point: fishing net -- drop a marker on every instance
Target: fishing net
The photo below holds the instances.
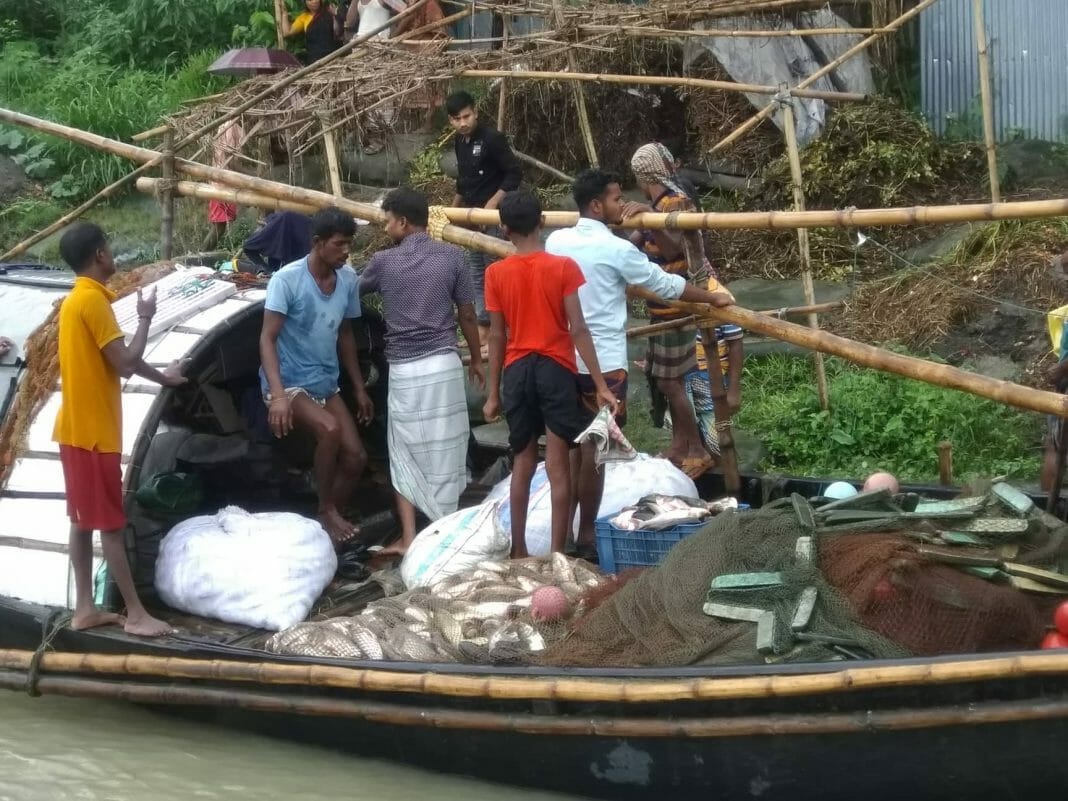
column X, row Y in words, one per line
column 926, row 607
column 658, row 618
column 482, row 616
column 42, row 367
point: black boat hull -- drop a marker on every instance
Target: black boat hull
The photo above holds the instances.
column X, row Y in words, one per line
column 961, row 740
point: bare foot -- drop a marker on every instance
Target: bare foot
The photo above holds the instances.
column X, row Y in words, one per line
column 96, row 617
column 339, row 529
column 147, row 626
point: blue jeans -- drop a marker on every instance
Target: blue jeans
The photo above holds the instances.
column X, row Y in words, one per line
column 478, row 261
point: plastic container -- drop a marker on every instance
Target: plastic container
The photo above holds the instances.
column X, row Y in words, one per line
column 618, row 548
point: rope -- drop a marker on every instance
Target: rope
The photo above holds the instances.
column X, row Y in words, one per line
column 56, row 621
column 437, row 221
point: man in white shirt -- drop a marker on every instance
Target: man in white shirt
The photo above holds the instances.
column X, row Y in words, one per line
column 609, row 264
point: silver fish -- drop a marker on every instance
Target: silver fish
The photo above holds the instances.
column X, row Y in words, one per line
column 449, row 627
column 366, row 642
column 416, row 614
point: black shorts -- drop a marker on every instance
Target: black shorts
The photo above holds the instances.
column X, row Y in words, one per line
column 539, row 393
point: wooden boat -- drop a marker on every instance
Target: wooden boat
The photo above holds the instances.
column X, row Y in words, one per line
column 972, row 727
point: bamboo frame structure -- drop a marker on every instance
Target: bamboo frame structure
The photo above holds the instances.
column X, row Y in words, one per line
column 859, row 353
column 797, row 181
column 117, row 185
column 380, row 679
column 658, row 80
column 713, row 221
column 574, row 726
column 860, row 47
column 986, row 96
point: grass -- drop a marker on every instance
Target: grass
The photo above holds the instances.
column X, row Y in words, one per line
column 880, row 421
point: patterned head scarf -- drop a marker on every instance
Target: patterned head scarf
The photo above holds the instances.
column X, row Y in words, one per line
column 654, row 164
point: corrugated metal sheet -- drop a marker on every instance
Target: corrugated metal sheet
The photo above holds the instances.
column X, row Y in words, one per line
column 42, row 576
column 1028, row 44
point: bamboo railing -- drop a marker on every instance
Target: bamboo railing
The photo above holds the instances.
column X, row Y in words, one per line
column 712, row 221
column 545, row 688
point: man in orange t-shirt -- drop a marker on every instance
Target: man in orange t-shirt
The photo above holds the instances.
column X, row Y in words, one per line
column 93, row 355
column 533, row 305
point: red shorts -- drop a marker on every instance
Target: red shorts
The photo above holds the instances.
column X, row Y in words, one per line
column 219, row 211
column 94, row 488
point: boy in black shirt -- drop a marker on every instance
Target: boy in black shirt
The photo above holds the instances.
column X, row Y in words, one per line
column 486, row 169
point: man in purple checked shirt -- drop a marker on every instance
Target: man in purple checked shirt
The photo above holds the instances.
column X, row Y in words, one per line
column 425, row 286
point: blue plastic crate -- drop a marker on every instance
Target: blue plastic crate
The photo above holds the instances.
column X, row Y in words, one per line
column 618, row 548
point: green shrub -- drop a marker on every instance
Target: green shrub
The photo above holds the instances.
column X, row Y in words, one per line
column 879, row 421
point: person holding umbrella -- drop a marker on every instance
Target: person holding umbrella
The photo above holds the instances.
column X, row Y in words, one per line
column 318, row 22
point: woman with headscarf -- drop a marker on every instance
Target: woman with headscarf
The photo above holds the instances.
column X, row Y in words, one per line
column 672, row 355
column 319, row 24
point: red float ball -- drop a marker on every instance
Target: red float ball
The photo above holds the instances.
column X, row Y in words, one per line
column 1060, row 618
column 1054, row 640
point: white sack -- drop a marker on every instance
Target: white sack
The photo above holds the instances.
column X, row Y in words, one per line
column 454, row 544
column 264, row 570
column 625, row 483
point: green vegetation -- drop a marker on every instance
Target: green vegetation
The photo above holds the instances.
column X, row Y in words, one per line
column 879, row 421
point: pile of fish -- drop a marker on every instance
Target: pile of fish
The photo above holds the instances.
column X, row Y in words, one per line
column 481, row 616
column 656, row 512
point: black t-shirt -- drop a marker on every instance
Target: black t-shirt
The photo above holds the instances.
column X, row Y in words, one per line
column 485, row 164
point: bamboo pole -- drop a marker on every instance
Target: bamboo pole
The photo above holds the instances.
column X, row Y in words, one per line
column 151, row 133
column 546, row 168
column 945, row 463
column 333, row 165
column 942, row 375
column 240, row 197
column 363, row 211
column 656, row 80
column 683, row 323
column 860, row 47
column 117, row 185
column 166, row 197
column 796, row 179
column 774, row 220
column 986, row 96
column 647, row 32
column 580, row 95
column 279, row 10
column 812, row 723
column 558, row 688
column 728, row 462
column 502, row 87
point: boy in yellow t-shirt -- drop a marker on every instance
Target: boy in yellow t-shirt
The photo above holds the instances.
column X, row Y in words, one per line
column 93, row 357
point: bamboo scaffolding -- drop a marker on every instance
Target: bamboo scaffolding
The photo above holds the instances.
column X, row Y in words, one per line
column 866, row 355
column 771, row 220
column 151, row 133
column 546, row 168
column 502, row 87
column 797, row 179
column 117, row 185
column 860, row 47
column 381, row 679
column 657, row 80
column 333, row 164
column 986, row 96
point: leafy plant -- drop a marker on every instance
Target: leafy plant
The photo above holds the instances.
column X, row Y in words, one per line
column 879, row 421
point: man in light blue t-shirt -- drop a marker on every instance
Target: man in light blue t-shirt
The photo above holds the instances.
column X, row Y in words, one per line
column 306, row 325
